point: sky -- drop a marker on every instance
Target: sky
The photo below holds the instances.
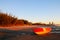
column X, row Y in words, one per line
column 44, row 11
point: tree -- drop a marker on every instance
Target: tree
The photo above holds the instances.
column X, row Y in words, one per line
column 6, row 19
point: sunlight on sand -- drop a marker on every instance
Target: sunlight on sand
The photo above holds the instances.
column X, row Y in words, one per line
column 18, row 27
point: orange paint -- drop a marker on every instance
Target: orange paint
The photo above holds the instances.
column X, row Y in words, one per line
column 42, row 30
column 38, row 30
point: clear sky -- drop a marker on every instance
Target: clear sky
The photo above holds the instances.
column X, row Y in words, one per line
column 33, row 10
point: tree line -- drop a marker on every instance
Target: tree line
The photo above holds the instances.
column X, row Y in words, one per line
column 6, row 19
